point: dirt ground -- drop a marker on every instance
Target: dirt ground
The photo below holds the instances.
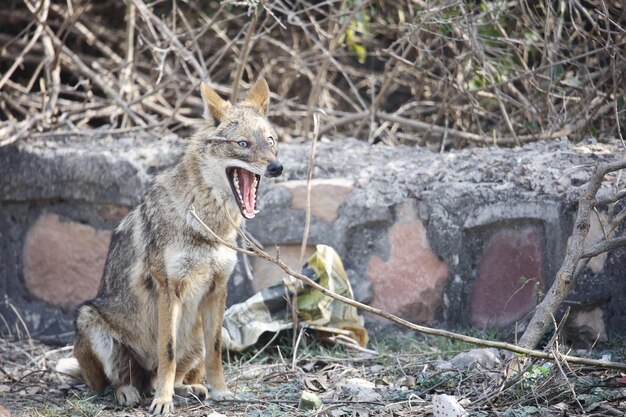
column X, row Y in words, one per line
column 399, row 380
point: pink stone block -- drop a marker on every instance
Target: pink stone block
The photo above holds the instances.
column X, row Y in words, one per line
column 411, row 281
column 113, row 212
column 64, row 260
column 510, row 273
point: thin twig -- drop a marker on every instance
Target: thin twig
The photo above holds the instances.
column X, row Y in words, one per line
column 42, row 15
column 294, row 356
column 243, row 59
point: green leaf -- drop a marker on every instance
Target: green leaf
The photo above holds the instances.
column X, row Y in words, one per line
column 572, row 81
column 354, row 46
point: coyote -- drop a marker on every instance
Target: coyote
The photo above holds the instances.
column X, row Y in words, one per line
column 156, row 321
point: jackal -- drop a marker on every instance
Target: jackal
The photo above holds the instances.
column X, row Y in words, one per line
column 156, row 321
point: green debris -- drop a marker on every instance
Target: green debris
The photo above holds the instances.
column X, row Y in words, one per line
column 309, row 401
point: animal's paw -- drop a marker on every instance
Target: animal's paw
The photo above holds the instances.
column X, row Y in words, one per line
column 222, row 394
column 161, row 406
column 127, row 396
column 196, row 390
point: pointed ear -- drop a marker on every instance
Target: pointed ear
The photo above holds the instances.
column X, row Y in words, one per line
column 214, row 105
column 259, row 96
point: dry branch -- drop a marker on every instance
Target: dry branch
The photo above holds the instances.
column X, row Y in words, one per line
column 491, row 74
column 575, row 258
column 243, row 59
column 40, row 15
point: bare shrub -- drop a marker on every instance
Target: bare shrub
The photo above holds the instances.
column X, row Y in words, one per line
column 444, row 73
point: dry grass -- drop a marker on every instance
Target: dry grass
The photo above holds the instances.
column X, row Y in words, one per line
column 442, row 73
column 406, row 374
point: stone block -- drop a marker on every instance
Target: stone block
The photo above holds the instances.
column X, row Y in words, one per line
column 364, row 201
column 266, row 274
column 595, row 234
column 64, row 260
column 326, row 195
column 113, row 212
column 586, row 327
column 509, row 274
column 410, row 282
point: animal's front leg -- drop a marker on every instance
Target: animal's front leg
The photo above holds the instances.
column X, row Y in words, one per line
column 168, row 318
column 212, row 317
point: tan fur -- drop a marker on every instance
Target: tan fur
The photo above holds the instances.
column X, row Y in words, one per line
column 259, row 96
column 216, row 106
column 157, row 318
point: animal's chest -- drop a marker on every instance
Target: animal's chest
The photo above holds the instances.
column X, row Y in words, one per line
column 196, row 267
column 222, row 260
column 195, row 272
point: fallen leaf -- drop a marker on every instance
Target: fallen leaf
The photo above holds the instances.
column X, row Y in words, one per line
column 315, row 384
column 406, row 382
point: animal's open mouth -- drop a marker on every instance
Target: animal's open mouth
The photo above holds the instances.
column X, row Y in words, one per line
column 245, row 185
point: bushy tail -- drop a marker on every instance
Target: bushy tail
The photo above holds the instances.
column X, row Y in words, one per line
column 70, row 367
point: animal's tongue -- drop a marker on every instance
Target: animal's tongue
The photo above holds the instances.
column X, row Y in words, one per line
column 248, row 191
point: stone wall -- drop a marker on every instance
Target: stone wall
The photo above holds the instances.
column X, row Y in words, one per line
column 459, row 239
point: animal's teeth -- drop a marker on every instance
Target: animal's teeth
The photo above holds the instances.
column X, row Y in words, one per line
column 236, row 183
column 255, row 211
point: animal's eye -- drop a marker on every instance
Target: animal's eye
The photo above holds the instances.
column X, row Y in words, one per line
column 244, row 143
column 271, row 141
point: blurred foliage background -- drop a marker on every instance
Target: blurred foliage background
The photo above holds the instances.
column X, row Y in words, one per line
column 442, row 73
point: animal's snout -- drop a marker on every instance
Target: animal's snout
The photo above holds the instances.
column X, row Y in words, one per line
column 274, row 169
